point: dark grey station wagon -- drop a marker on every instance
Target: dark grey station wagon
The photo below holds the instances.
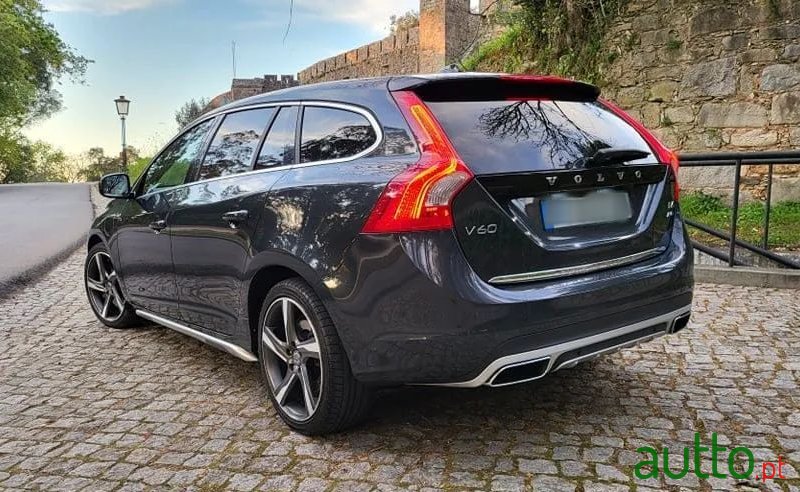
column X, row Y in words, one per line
column 453, row 229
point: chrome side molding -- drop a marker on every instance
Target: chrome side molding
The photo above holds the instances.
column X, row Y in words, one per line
column 575, row 270
column 232, row 349
column 552, row 353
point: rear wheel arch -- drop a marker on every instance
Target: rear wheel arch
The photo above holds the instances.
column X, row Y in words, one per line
column 264, row 279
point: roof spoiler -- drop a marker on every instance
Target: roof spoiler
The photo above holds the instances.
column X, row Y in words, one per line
column 482, row 87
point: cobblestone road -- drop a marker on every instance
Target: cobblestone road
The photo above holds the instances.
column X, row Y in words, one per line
column 82, row 406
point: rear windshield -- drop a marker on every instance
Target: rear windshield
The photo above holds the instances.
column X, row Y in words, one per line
column 523, row 136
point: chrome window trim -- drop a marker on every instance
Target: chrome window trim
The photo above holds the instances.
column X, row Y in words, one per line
column 379, row 136
column 554, row 351
column 575, row 270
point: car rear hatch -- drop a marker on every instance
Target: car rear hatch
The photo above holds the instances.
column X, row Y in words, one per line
column 564, row 184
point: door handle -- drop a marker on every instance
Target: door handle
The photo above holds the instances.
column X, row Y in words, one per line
column 234, row 218
column 158, row 225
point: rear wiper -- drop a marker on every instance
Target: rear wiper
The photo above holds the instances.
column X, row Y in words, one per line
column 609, row 157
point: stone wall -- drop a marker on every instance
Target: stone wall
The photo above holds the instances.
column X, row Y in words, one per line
column 447, row 29
column 241, row 88
column 712, row 75
column 398, row 53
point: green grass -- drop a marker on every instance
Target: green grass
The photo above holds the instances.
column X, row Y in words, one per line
column 500, row 50
column 784, row 223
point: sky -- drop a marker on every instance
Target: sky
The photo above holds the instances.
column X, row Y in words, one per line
column 161, row 53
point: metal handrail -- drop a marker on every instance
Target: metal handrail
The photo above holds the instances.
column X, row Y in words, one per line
column 739, row 159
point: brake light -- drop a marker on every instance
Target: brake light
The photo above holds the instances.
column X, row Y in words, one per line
column 418, row 199
column 662, row 153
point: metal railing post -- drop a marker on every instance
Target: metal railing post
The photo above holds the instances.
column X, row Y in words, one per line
column 765, row 239
column 735, row 213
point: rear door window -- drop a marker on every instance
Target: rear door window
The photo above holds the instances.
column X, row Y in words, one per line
column 529, row 135
column 331, row 133
column 231, row 151
column 278, row 148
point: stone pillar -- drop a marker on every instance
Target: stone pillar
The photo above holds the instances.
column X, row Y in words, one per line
column 446, row 29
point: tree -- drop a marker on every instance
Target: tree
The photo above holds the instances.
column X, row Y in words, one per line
column 190, row 111
column 24, row 161
column 96, row 163
column 403, row 22
column 33, row 58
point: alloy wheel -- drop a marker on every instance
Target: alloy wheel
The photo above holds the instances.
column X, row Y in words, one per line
column 292, row 358
column 103, row 287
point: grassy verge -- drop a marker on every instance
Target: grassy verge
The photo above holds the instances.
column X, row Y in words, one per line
column 784, row 223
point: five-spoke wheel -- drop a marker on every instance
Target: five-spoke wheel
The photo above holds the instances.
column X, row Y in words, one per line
column 103, row 287
column 292, row 358
column 105, row 292
column 304, row 364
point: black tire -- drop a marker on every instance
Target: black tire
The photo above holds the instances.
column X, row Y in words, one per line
column 341, row 401
column 118, row 318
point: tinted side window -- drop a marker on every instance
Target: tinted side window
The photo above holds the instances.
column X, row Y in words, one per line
column 233, row 146
column 278, row 148
column 171, row 166
column 330, row 133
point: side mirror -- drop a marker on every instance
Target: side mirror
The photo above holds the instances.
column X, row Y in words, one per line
column 116, row 185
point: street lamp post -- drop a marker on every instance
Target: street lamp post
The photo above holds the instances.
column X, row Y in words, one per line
column 122, row 110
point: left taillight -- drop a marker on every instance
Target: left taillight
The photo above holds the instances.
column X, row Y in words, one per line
column 661, row 151
column 419, row 198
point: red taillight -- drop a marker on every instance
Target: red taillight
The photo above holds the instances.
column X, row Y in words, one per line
column 418, row 199
column 662, row 153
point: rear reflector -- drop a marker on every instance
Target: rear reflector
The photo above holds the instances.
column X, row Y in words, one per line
column 662, row 153
column 418, row 199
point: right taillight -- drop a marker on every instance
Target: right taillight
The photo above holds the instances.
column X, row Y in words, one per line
column 418, row 199
column 662, row 153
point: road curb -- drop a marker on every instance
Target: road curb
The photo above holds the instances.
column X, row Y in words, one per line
column 748, row 277
column 18, row 282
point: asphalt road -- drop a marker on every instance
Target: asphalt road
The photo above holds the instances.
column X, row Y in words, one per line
column 39, row 224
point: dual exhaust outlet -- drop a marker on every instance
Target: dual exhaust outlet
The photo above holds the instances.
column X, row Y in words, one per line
column 522, row 372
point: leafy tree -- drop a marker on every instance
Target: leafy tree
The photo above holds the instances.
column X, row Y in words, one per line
column 190, row 111
column 24, row 161
column 403, row 22
column 96, row 163
column 33, row 58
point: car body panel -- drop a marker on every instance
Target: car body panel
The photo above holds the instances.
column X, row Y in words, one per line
column 144, row 256
column 409, row 308
column 209, row 255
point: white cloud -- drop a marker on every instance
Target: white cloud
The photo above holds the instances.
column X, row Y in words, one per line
column 371, row 14
column 107, row 7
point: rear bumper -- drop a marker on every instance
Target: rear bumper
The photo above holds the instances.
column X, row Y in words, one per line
column 535, row 364
column 410, row 310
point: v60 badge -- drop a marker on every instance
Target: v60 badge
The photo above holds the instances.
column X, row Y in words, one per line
column 481, row 230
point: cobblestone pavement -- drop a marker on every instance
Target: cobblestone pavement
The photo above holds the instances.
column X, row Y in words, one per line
column 83, row 406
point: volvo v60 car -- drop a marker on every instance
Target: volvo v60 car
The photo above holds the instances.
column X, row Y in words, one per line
column 452, row 229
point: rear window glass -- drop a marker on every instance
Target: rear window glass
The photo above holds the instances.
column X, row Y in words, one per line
column 519, row 136
column 330, row 133
column 278, row 148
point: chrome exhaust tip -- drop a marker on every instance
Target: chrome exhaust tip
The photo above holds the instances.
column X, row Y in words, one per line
column 521, row 372
column 679, row 323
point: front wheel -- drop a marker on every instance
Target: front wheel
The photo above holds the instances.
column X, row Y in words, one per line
column 306, row 370
column 105, row 292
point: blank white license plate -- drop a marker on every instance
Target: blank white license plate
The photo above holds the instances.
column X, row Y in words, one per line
column 561, row 210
